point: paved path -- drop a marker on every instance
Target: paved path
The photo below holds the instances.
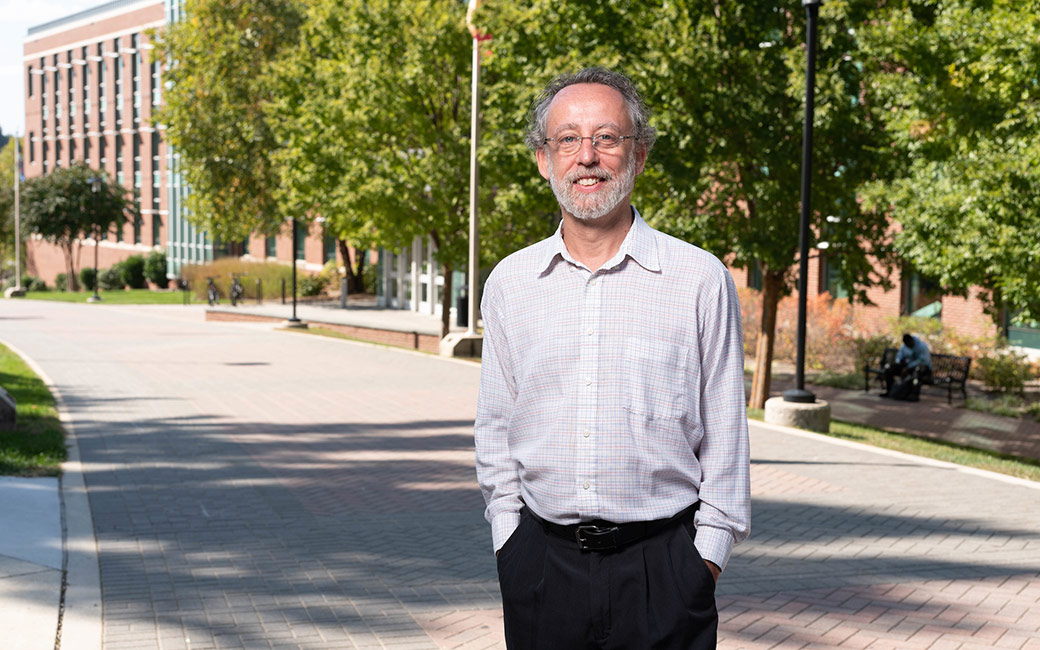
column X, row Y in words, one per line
column 252, row 488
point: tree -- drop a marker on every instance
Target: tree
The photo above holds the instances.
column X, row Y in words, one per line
column 375, row 113
column 60, row 207
column 216, row 110
column 726, row 82
column 959, row 81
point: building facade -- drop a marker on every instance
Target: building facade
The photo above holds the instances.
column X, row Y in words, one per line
column 92, row 89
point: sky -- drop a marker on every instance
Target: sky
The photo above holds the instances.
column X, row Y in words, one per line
column 16, row 17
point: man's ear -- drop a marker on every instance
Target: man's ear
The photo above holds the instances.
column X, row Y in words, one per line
column 640, row 159
column 543, row 162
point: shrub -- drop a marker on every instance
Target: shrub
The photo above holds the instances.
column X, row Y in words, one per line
column 155, row 269
column 132, row 269
column 86, row 278
column 868, row 349
column 1005, row 371
column 61, row 282
column 32, row 283
column 111, row 278
column 313, row 285
column 269, row 273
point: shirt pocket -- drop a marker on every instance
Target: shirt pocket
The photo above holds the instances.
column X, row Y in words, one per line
column 654, row 379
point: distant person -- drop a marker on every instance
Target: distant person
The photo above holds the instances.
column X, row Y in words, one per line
column 913, row 362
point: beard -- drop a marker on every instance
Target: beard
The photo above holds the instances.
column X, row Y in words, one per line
column 587, row 207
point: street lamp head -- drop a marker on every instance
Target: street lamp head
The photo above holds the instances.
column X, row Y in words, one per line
column 95, row 183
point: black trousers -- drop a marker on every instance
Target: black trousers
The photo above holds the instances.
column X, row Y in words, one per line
column 656, row 593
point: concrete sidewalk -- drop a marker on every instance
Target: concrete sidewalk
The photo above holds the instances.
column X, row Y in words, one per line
column 255, row 489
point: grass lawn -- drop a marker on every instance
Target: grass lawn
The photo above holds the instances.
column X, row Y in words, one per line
column 939, row 450
column 128, row 297
column 36, row 447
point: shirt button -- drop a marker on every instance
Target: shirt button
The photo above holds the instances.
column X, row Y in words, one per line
column 592, row 281
column 586, row 433
column 588, row 381
column 590, row 331
column 585, row 485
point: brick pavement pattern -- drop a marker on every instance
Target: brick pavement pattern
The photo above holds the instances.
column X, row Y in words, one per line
column 262, row 489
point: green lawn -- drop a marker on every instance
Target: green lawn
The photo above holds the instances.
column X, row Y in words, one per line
column 36, row 447
column 939, row 450
column 129, row 297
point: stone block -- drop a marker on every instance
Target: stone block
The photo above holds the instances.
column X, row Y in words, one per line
column 812, row 417
column 8, row 414
column 461, row 344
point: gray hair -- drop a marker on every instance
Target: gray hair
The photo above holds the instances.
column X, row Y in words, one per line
column 637, row 109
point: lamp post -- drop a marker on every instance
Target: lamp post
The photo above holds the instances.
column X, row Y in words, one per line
column 812, row 12
column 294, row 321
column 95, row 188
column 474, row 175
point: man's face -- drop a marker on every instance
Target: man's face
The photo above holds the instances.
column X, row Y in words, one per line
column 590, row 183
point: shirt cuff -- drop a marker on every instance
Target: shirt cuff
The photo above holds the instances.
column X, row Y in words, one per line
column 714, row 545
column 502, row 526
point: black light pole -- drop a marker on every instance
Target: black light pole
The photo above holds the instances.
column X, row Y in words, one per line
column 95, row 188
column 812, row 12
column 294, row 319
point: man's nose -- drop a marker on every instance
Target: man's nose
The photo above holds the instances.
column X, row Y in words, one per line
column 588, row 154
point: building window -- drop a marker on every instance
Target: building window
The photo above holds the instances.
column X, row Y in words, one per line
column 102, row 71
column 1023, row 332
column 32, row 148
column 102, row 151
column 832, row 281
column 57, row 153
column 44, row 156
column 72, row 151
column 29, row 80
column 328, row 248
column 271, row 246
column 86, row 150
column 156, row 92
column 118, row 71
column 922, row 297
column 135, row 76
column 754, row 276
column 119, row 159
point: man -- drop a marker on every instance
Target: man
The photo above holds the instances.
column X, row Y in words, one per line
column 611, row 431
column 913, row 361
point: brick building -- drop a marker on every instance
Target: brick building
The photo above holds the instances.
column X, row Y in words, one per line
column 91, row 88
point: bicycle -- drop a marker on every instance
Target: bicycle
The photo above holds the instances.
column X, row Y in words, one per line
column 211, row 292
column 236, row 290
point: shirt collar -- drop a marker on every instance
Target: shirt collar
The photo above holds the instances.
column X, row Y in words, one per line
column 639, row 244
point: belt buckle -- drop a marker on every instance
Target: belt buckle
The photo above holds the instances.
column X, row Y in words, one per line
column 596, row 538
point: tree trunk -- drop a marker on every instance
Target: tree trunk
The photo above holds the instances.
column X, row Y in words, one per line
column 446, row 300
column 70, row 269
column 348, row 268
column 359, row 277
column 772, row 283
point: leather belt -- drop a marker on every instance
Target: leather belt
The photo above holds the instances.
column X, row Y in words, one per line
column 600, row 535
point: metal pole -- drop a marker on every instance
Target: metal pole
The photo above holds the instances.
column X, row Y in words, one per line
column 17, row 223
column 95, row 184
column 474, row 178
column 294, row 319
column 812, row 10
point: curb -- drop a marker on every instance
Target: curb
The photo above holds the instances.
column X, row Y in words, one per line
column 80, row 611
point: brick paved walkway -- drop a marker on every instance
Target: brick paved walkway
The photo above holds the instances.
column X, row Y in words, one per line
column 257, row 489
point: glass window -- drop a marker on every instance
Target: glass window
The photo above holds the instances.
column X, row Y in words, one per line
column 923, row 297
column 32, row 148
column 29, row 80
column 328, row 248
column 832, row 281
column 271, row 246
column 1023, row 332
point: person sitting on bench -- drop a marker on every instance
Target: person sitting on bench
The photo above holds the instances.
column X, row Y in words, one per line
column 913, row 361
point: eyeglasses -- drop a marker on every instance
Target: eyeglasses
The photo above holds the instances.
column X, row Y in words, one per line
column 569, row 144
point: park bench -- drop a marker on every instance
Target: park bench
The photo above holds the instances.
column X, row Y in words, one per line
column 948, row 370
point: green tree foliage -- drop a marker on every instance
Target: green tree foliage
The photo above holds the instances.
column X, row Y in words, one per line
column 375, row 113
column 61, row 208
column 958, row 80
column 220, row 85
column 726, row 81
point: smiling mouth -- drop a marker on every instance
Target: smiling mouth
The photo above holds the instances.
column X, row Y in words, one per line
column 589, row 181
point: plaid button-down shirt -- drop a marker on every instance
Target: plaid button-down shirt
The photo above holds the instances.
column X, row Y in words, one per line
column 615, row 395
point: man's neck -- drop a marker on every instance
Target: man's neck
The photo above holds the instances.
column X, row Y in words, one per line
column 594, row 241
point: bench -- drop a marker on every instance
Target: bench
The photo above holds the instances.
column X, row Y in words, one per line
column 947, row 370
